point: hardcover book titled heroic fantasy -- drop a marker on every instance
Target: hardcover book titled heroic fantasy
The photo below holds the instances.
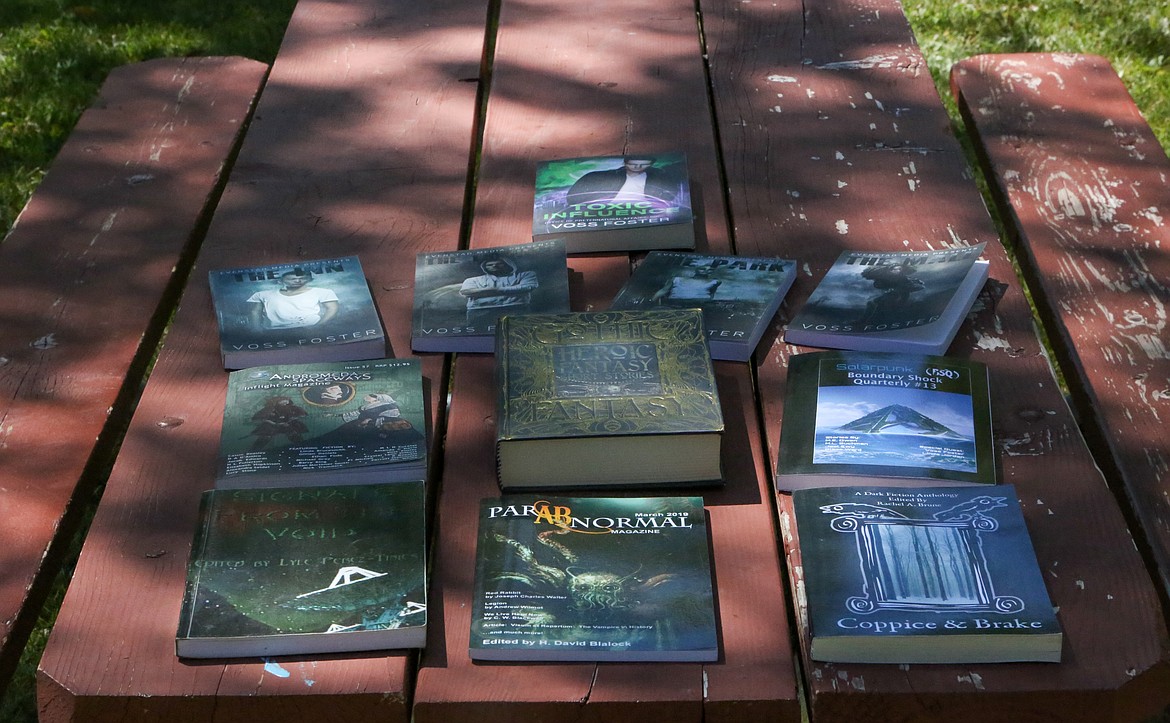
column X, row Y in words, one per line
column 909, row 419
column 908, row 301
column 317, row 424
column 738, row 294
column 459, row 295
column 931, row 575
column 614, row 203
column 593, row 579
column 295, row 313
column 305, row 570
column 606, row 398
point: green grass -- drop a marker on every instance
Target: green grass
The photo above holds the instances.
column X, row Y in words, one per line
column 54, row 55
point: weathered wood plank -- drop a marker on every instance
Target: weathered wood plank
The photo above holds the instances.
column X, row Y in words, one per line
column 88, row 266
column 360, row 145
column 1083, row 182
column 834, row 138
column 603, row 78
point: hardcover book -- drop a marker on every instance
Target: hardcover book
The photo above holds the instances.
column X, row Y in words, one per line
column 306, row 570
column 932, row 575
column 459, row 295
column 321, row 424
column 593, row 579
column 295, row 313
column 910, row 420
column 907, row 301
column 739, row 295
column 606, row 398
column 614, row 203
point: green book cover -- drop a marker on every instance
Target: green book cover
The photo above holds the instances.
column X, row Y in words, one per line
column 296, row 312
column 621, row 397
column 329, row 423
column 288, row 571
column 908, row 419
column 931, row 575
column 603, row 579
column 607, row 203
column 739, row 295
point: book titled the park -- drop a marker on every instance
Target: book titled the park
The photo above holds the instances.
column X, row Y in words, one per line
column 597, row 399
column 306, row 570
column 459, row 295
column 739, row 295
column 593, row 579
column 614, row 203
column 931, row 575
column 319, row 424
column 912, row 420
column 296, row 313
column 908, row 301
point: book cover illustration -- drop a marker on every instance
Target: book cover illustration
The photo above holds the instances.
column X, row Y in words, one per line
column 306, row 310
column 897, row 415
column 738, row 294
column 576, row 196
column 593, row 579
column 459, row 295
column 306, row 569
column 898, row 575
column 289, row 421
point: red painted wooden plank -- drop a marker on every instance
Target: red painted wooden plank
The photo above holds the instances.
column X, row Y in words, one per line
column 87, row 267
column 1083, row 181
column 834, row 138
column 571, row 79
column 360, row 145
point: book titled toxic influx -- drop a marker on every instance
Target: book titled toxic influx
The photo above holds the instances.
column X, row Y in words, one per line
column 306, row 570
column 931, row 575
column 908, row 301
column 908, row 419
column 598, row 399
column 460, row 295
column 297, row 312
column 739, row 295
column 317, row 424
column 593, row 579
column 614, row 203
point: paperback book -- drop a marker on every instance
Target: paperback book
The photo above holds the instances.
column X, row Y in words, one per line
column 599, row 399
column 321, row 424
column 593, row 579
column 739, row 295
column 931, row 575
column 296, row 313
column 905, row 419
column 904, row 301
column 306, row 570
column 614, row 203
column 460, row 295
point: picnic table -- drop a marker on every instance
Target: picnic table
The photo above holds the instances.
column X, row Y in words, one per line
column 387, row 128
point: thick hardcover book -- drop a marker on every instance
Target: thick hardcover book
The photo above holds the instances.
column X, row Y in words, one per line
column 459, row 295
column 931, row 575
column 306, row 570
column 296, row 313
column 600, row 399
column 908, row 301
column 739, row 295
column 320, row 424
column 911, row 420
column 614, row 203
column 593, row 579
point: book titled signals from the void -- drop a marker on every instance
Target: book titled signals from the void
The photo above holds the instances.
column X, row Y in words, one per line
column 908, row 419
column 931, row 575
column 603, row 579
column 288, row 571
